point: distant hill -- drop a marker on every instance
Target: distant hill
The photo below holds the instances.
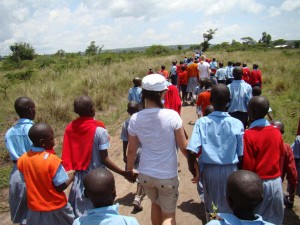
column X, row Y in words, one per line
column 142, row 49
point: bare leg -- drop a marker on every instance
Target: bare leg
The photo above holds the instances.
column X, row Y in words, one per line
column 156, row 214
column 168, row 218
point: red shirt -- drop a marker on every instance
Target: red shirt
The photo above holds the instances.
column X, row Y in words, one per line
column 203, row 100
column 182, row 78
column 255, row 78
column 246, row 74
column 263, row 149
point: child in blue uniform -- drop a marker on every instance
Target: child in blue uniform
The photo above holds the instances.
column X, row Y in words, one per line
column 244, row 193
column 100, row 188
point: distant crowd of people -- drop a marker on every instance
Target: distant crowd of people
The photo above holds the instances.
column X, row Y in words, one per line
column 236, row 153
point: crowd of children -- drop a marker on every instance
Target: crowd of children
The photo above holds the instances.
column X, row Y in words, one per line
column 237, row 157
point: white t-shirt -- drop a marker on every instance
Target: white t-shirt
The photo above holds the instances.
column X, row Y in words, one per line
column 203, row 68
column 155, row 129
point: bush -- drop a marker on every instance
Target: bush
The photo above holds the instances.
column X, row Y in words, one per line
column 22, row 75
column 157, row 50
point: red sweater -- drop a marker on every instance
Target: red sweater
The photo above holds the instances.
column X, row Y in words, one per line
column 263, row 149
column 255, row 78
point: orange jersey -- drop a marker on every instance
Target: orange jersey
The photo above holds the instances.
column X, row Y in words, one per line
column 39, row 169
column 203, row 100
column 165, row 73
column 192, row 70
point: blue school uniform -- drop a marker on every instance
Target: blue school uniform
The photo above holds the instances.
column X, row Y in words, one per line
column 230, row 219
column 17, row 143
column 105, row 216
column 221, row 139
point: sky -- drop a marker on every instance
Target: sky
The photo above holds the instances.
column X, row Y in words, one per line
column 71, row 25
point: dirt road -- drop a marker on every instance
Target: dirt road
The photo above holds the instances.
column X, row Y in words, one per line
column 189, row 209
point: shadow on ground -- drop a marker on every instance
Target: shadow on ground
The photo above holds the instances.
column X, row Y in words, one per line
column 194, row 208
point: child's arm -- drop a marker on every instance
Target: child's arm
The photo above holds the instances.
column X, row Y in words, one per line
column 112, row 166
column 125, row 144
column 60, row 175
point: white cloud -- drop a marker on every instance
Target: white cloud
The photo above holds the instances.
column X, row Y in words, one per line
column 72, row 25
column 290, row 5
column 273, row 11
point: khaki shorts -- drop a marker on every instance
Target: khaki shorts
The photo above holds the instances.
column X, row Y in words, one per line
column 163, row 192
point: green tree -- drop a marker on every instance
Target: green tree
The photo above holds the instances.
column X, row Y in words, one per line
column 179, row 47
column 248, row 41
column 297, row 44
column 266, row 38
column 209, row 35
column 22, row 51
column 279, row 42
column 92, row 49
column 60, row 53
column 157, row 50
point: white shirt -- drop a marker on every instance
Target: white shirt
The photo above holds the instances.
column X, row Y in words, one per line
column 203, row 68
column 155, row 129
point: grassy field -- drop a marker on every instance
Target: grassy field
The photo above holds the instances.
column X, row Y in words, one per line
column 53, row 83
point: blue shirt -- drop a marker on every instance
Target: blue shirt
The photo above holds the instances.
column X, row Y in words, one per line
column 17, row 141
column 229, row 70
column 240, row 95
column 259, row 123
column 230, row 219
column 221, row 138
column 221, row 74
column 173, row 70
column 105, row 216
column 213, row 65
column 61, row 175
column 296, row 147
column 135, row 94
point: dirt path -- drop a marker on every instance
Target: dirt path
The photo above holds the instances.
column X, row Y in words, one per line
column 189, row 209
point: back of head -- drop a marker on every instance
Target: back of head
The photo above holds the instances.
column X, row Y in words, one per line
column 244, row 190
column 25, row 108
column 208, row 84
column 137, row 81
column 133, row 107
column 208, row 110
column 99, row 187
column 220, row 96
column 255, row 66
column 237, row 73
column 256, row 91
column 84, row 106
column 41, row 135
column 237, row 64
column 221, row 64
column 163, row 67
column 244, row 65
column 258, row 107
column 278, row 124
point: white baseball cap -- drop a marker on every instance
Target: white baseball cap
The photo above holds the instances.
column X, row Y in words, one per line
column 154, row 82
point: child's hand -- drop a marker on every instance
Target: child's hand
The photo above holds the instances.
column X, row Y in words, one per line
column 131, row 175
column 71, row 174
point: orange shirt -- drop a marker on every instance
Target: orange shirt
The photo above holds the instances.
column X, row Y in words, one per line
column 38, row 169
column 192, row 70
column 165, row 73
column 203, row 100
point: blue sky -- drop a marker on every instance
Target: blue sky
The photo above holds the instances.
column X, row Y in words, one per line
column 50, row 25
